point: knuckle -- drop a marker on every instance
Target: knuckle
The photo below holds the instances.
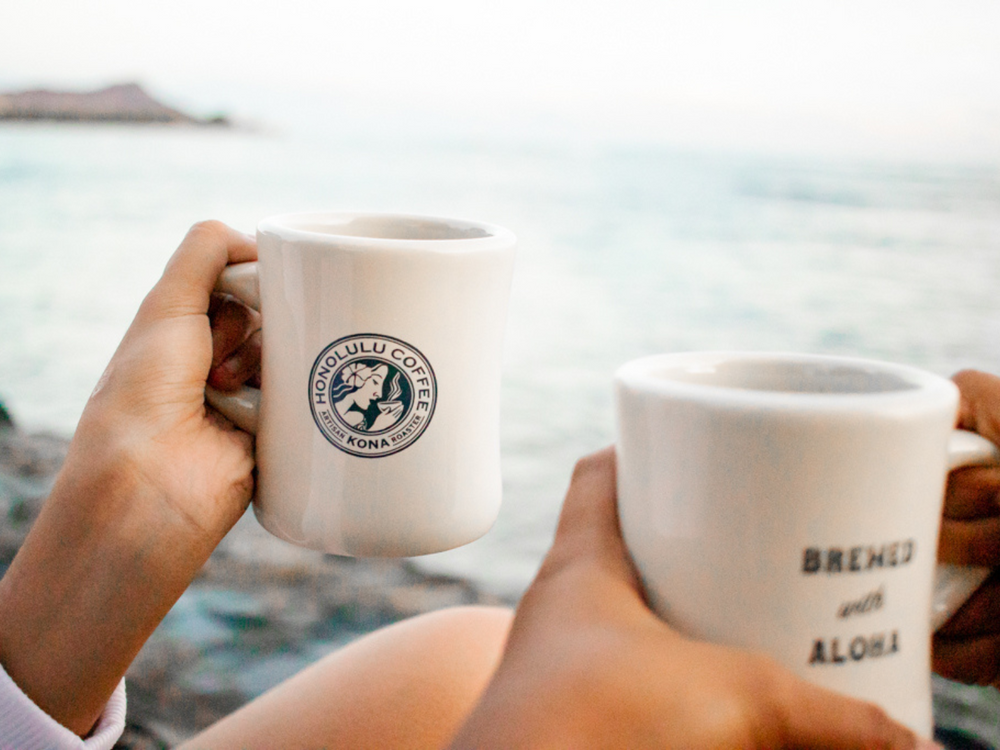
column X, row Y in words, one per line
column 208, row 229
column 974, row 381
column 964, row 375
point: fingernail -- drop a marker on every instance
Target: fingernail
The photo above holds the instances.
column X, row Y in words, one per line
column 925, row 744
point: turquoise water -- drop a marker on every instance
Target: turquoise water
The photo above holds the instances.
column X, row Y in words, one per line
column 624, row 251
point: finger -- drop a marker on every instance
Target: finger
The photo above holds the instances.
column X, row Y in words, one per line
column 814, row 717
column 975, row 542
column 973, row 492
column 980, row 615
column 970, row 660
column 232, row 322
column 979, row 408
column 192, row 271
column 587, row 575
column 241, row 366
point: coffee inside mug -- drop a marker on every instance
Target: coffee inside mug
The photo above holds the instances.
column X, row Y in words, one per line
column 769, row 375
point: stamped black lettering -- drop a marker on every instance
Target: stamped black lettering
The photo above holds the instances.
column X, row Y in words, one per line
column 858, row 648
column 858, row 558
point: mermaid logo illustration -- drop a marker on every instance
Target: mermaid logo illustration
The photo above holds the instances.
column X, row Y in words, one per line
column 372, row 395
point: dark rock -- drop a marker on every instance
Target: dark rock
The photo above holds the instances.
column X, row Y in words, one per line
column 137, row 736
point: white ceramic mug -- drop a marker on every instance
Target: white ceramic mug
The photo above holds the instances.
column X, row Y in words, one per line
column 378, row 425
column 791, row 504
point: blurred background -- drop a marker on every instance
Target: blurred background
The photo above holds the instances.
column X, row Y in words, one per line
column 681, row 175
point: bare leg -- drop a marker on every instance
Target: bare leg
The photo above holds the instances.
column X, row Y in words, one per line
column 409, row 685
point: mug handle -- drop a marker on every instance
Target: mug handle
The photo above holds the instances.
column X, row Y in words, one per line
column 954, row 584
column 241, row 407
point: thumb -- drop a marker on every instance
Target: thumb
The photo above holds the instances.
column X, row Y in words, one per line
column 588, row 530
column 187, row 282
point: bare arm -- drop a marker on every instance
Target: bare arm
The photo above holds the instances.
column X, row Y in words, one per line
column 151, row 483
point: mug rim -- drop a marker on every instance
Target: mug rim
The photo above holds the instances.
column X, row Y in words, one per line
column 922, row 388
column 284, row 227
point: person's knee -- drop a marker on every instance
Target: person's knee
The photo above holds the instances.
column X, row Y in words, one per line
column 479, row 629
column 459, row 645
column 474, row 617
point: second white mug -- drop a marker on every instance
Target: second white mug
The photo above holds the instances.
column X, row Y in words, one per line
column 790, row 504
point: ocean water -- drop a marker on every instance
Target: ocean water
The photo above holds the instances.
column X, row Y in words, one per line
column 624, row 250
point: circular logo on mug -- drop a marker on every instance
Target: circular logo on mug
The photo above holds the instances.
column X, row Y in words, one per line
column 372, row 395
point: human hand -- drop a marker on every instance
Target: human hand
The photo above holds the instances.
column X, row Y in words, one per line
column 150, row 485
column 149, row 403
column 588, row 664
column 967, row 648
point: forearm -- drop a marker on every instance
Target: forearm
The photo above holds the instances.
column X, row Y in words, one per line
column 151, row 484
column 95, row 576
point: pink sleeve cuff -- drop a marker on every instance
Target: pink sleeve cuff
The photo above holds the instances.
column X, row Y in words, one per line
column 24, row 726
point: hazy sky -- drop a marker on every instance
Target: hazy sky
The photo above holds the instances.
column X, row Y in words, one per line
column 901, row 75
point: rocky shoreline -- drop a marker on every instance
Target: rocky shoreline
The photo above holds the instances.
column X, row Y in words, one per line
column 259, row 611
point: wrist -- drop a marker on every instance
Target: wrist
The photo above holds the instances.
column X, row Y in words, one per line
column 104, row 562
